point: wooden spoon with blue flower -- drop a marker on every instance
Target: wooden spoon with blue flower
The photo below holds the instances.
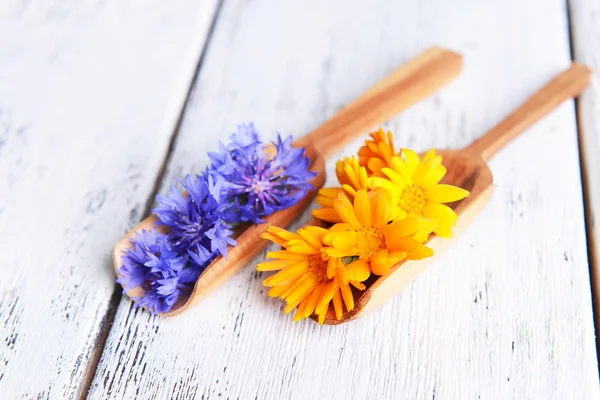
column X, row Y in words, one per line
column 186, row 248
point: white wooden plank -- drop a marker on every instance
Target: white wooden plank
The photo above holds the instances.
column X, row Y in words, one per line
column 586, row 49
column 506, row 313
column 90, row 93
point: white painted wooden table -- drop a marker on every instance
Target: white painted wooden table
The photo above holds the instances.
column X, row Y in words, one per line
column 93, row 108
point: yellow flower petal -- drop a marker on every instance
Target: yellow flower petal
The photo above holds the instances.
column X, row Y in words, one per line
column 424, row 169
column 430, row 154
column 341, row 227
column 444, row 215
column 399, row 166
column 399, row 214
column 329, row 192
column 376, row 164
column 326, row 196
column 390, row 139
column 277, row 291
column 408, row 227
column 316, row 231
column 346, row 211
column 445, row 193
column 275, row 265
column 341, row 240
column 422, row 236
column 433, row 177
column 347, row 297
column 302, row 291
column 352, row 176
column 322, row 317
column 333, row 252
column 273, row 238
column 378, row 182
column 412, row 160
column 349, row 190
column 358, row 271
column 300, row 246
column 362, row 208
column 306, row 275
column 312, row 238
column 342, row 272
column 325, row 201
column 325, row 214
column 312, row 301
column 395, row 178
column 340, row 173
column 441, row 213
column 378, row 263
column 399, row 244
column 419, row 252
column 278, row 235
column 382, row 207
column 285, row 275
column 337, row 305
column 300, row 310
column 363, row 177
column 285, row 255
column 332, row 265
column 443, row 231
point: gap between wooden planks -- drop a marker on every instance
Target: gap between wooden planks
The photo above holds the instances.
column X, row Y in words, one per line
column 585, row 43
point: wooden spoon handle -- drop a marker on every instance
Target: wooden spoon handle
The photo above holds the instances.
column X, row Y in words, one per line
column 567, row 84
column 407, row 85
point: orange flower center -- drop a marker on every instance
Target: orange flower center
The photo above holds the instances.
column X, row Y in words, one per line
column 370, row 240
column 318, row 265
column 412, row 200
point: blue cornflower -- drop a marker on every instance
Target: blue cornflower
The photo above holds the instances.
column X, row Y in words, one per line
column 163, row 274
column 195, row 221
column 258, row 179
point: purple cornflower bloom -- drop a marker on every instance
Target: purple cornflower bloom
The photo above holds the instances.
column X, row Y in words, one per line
column 258, row 179
column 195, row 221
column 159, row 271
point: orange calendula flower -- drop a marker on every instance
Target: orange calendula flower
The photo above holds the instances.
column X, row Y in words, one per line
column 366, row 232
column 307, row 278
column 352, row 177
column 414, row 186
column 377, row 153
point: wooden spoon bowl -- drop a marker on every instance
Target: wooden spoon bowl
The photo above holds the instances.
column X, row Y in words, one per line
column 468, row 169
column 410, row 83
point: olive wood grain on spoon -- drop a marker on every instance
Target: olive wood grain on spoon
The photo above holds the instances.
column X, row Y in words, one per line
column 407, row 85
column 468, row 169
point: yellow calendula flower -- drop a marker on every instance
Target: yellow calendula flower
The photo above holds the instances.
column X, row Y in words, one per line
column 377, row 153
column 352, row 177
column 415, row 188
column 367, row 234
column 308, row 279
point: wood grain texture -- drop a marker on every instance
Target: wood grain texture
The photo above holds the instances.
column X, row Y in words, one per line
column 505, row 313
column 90, row 93
column 585, row 32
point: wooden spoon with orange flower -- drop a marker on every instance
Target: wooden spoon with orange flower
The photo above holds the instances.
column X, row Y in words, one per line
column 466, row 168
column 407, row 85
